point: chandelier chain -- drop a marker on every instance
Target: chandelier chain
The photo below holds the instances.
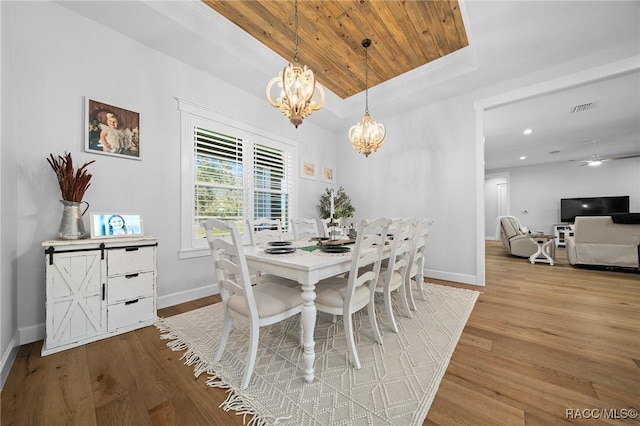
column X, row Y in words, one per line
column 295, row 32
column 366, row 81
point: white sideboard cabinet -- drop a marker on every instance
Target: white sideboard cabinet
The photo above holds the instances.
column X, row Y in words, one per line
column 97, row 288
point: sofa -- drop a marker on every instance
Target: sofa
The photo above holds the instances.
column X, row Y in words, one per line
column 599, row 241
column 517, row 239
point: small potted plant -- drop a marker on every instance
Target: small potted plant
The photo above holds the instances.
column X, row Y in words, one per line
column 73, row 184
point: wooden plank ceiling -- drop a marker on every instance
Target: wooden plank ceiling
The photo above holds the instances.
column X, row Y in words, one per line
column 405, row 35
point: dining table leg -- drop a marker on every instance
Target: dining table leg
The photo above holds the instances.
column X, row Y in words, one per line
column 309, row 325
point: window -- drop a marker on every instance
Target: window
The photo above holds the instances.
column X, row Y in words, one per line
column 231, row 173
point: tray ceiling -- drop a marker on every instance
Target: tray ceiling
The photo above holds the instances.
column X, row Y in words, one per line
column 405, row 35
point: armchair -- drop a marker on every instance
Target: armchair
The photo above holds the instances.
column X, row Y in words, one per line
column 515, row 238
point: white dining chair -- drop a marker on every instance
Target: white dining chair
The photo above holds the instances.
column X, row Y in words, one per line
column 415, row 274
column 304, row 228
column 392, row 275
column 259, row 306
column 263, row 230
column 347, row 295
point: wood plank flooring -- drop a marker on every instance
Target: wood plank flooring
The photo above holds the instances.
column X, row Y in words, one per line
column 540, row 340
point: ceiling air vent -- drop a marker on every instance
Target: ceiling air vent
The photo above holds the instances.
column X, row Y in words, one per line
column 583, row 107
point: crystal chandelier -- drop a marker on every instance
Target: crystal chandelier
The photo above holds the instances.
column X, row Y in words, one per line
column 297, row 87
column 368, row 135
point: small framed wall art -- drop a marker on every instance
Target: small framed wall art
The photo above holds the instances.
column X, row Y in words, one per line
column 328, row 173
column 111, row 130
column 107, row 225
column 308, row 169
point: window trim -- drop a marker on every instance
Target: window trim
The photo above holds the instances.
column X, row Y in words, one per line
column 191, row 112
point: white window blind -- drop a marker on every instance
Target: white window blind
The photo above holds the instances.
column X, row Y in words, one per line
column 272, row 183
column 231, row 171
column 218, row 180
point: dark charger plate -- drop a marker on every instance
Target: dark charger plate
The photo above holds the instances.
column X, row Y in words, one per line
column 279, row 243
column 280, row 250
column 335, row 249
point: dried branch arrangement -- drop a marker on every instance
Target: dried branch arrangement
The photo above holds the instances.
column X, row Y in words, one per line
column 73, row 183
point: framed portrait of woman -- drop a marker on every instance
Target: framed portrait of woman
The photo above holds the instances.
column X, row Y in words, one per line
column 111, row 130
column 108, row 225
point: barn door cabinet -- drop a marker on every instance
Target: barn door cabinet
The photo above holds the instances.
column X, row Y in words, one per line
column 97, row 288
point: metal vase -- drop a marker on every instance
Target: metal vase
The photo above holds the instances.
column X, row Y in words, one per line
column 72, row 225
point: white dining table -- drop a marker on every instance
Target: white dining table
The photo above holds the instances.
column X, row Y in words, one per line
column 307, row 268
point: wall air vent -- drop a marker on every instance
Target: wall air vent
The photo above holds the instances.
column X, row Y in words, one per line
column 583, row 107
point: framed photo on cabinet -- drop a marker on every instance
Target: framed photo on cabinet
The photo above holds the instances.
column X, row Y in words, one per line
column 108, row 225
column 111, row 130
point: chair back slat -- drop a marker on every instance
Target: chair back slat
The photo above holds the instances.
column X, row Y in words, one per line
column 421, row 232
column 367, row 251
column 229, row 261
column 304, row 228
column 263, row 230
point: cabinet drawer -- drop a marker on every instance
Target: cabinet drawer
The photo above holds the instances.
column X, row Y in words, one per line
column 129, row 287
column 130, row 313
column 130, row 260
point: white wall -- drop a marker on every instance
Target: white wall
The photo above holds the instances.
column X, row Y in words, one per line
column 56, row 58
column 7, row 239
column 426, row 168
column 538, row 189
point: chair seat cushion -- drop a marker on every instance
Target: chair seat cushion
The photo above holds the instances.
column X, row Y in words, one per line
column 271, row 299
column 331, row 293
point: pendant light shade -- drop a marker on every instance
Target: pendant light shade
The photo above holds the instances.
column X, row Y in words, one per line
column 299, row 94
column 368, row 135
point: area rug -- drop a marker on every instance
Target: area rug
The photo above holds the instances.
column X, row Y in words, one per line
column 395, row 386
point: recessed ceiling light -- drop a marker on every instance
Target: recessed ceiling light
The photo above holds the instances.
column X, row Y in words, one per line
column 523, row 158
column 527, row 131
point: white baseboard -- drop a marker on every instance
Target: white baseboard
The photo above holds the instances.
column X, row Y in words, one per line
column 8, row 357
column 448, row 276
column 186, row 296
column 492, row 238
column 31, row 334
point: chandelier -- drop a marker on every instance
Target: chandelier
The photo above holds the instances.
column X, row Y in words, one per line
column 368, row 135
column 297, row 87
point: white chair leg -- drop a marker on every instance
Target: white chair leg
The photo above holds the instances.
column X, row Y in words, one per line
column 409, row 294
column 405, row 294
column 389, row 310
column 374, row 323
column 334, row 319
column 226, row 329
column 420, row 282
column 348, row 331
column 254, row 333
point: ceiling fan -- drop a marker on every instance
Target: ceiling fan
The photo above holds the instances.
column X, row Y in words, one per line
column 596, row 160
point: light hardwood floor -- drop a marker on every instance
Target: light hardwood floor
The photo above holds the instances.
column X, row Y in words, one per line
column 540, row 340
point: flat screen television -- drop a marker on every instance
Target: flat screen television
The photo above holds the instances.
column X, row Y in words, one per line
column 592, row 206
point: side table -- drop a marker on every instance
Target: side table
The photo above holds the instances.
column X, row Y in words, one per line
column 543, row 254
